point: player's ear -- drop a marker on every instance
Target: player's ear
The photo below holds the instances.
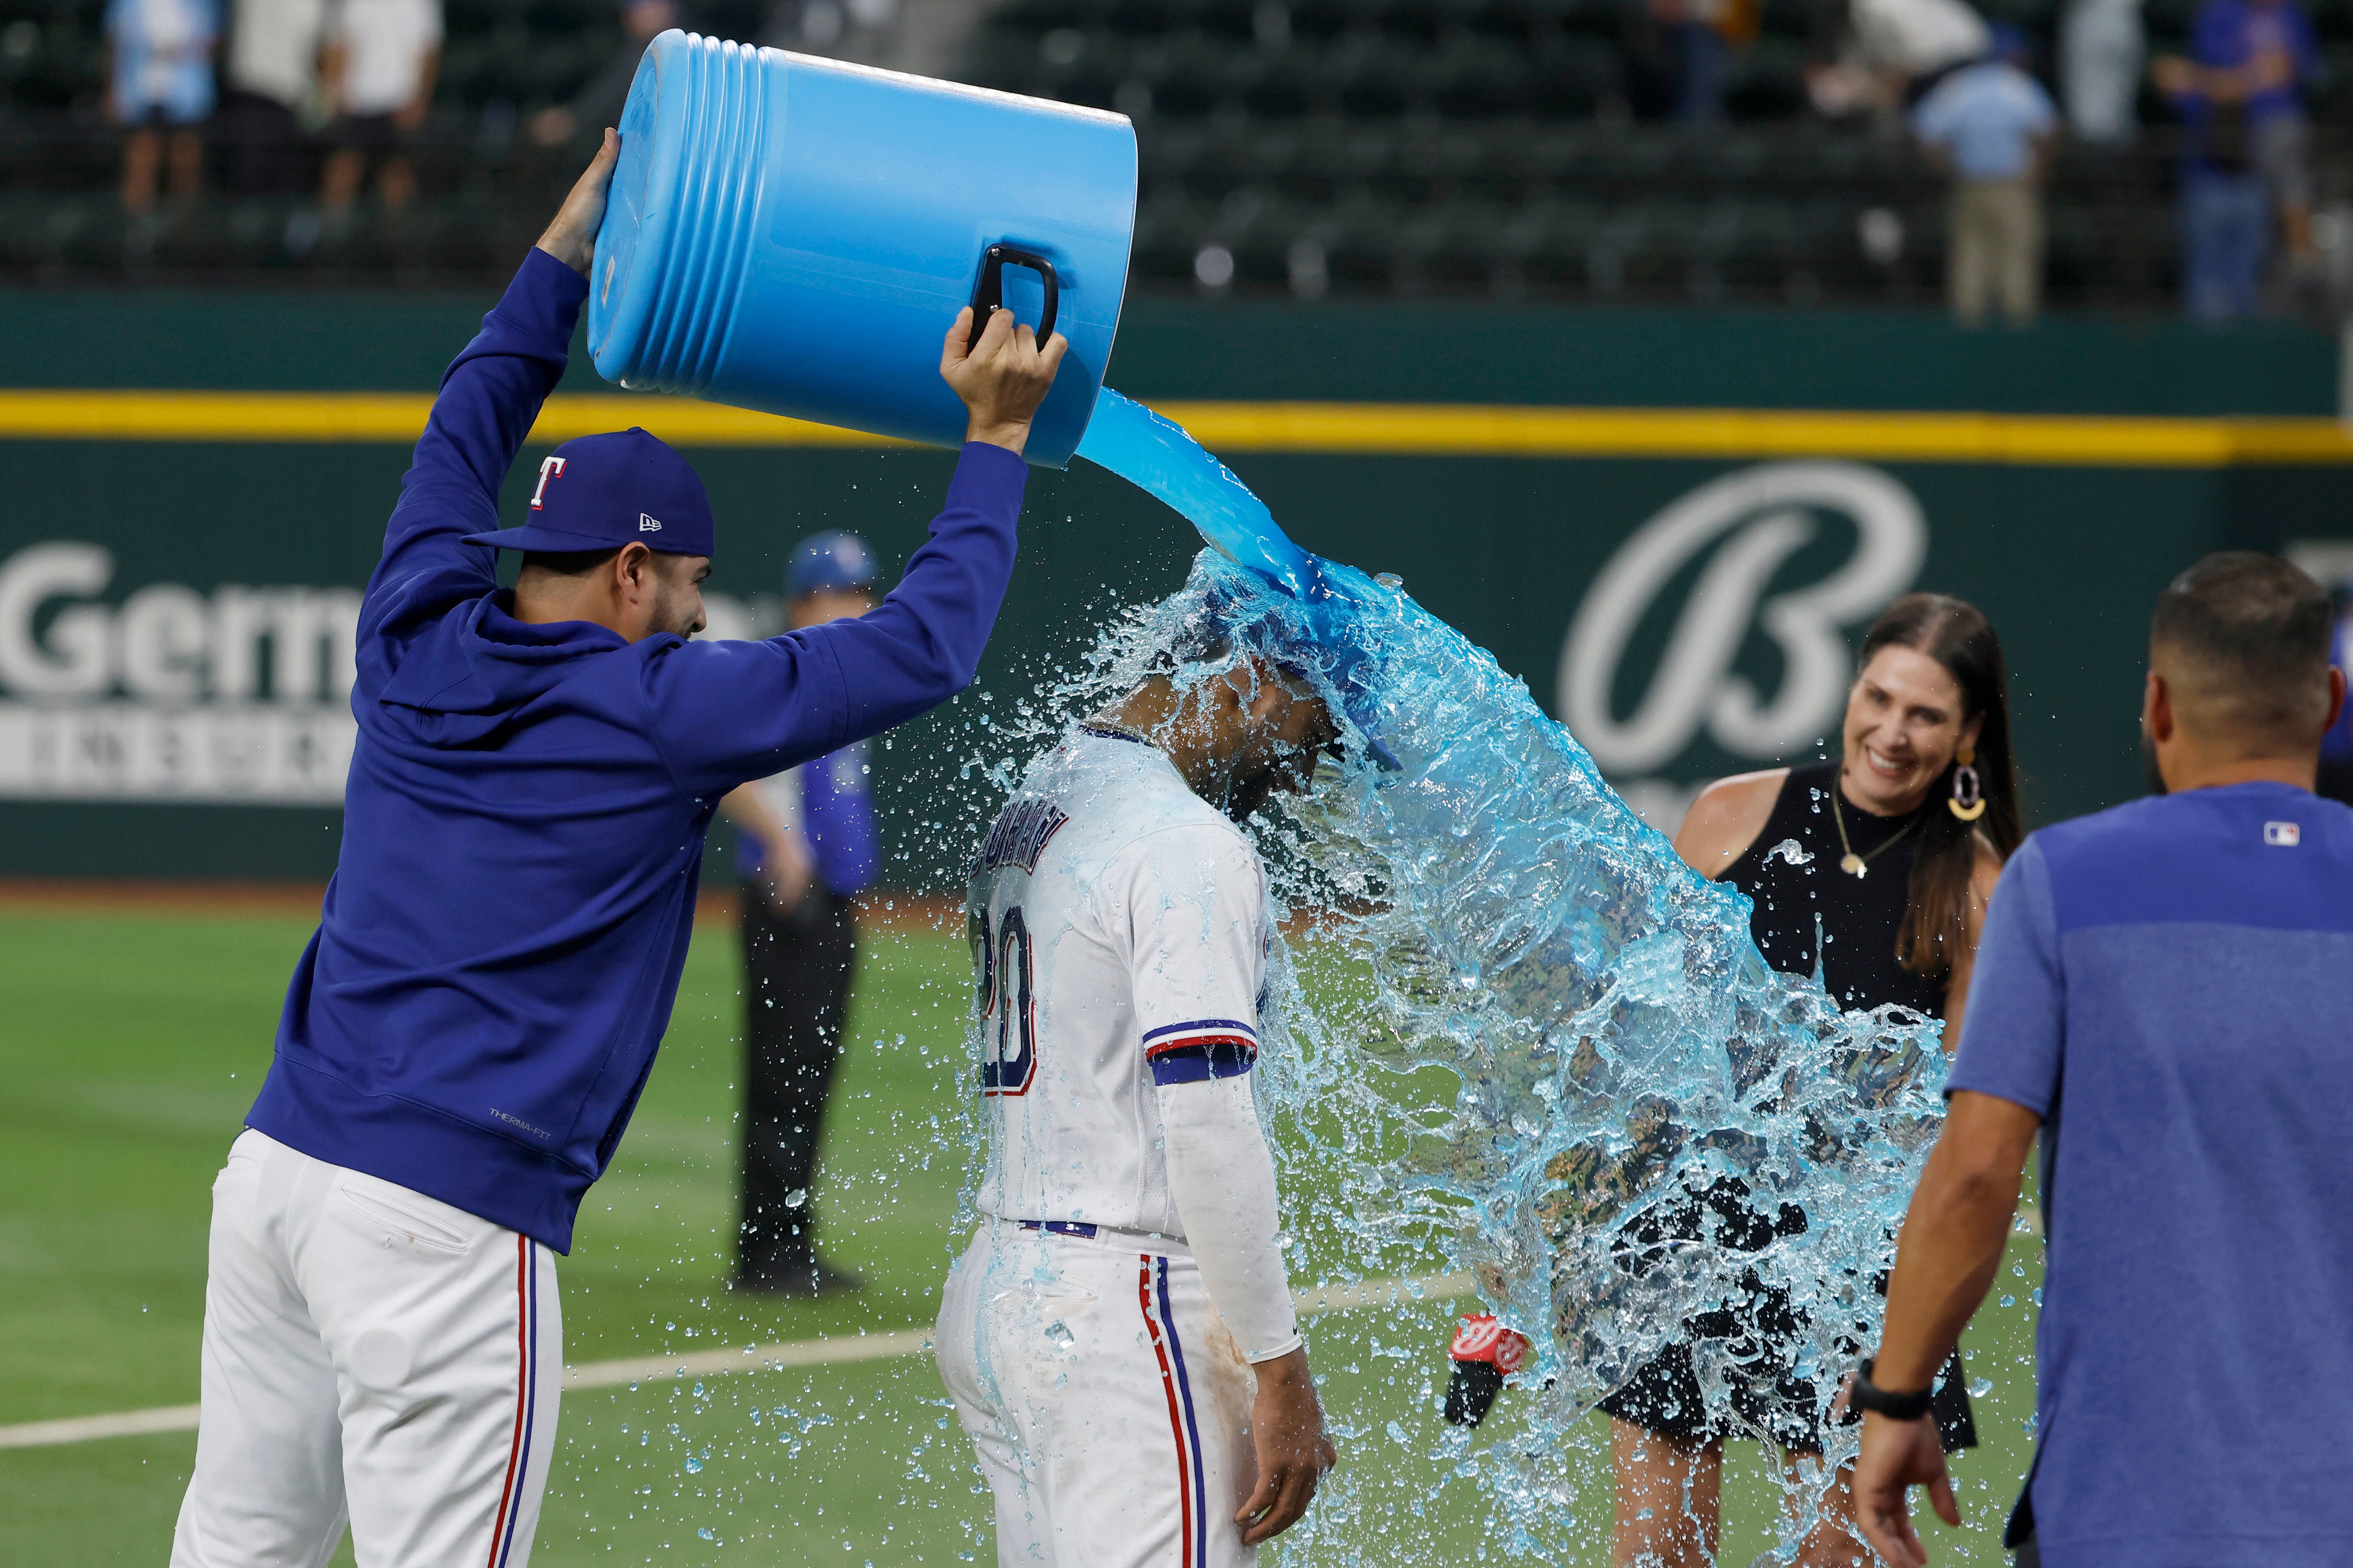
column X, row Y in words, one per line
column 633, row 569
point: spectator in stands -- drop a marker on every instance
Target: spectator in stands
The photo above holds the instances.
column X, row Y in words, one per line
column 598, row 103
column 845, row 29
column 2225, row 202
column 159, row 80
column 2262, row 52
column 806, row 847
column 2161, row 995
column 271, row 79
column 1895, row 51
column 381, row 58
column 1991, row 128
column 2102, row 46
column 1706, row 32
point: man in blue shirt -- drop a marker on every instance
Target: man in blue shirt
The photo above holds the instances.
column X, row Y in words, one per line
column 805, row 848
column 2162, row 991
column 469, row 1030
column 1991, row 127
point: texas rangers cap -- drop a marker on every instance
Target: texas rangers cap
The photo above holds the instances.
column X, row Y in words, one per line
column 599, row 492
column 832, row 560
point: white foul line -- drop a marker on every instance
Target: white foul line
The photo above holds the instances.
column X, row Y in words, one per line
column 779, row 1357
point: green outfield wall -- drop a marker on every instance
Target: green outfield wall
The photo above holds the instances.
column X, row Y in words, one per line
column 1682, row 587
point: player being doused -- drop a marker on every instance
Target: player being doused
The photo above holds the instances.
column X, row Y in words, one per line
column 1119, row 1337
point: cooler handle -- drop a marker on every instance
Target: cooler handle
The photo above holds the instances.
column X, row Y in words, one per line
column 988, row 294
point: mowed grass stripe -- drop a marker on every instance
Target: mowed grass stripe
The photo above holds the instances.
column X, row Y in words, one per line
column 783, row 1357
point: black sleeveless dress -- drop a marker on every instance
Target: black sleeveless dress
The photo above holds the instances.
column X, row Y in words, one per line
column 1806, row 908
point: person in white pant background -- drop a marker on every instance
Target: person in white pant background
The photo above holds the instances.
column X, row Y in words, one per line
column 1119, row 1337
column 466, row 1036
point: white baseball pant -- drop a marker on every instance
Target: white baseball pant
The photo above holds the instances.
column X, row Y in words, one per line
column 1107, row 1400
column 370, row 1355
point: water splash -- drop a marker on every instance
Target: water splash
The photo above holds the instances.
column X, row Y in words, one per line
column 1614, row 1040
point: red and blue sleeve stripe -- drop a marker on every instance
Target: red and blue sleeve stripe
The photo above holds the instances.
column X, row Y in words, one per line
column 1199, row 1050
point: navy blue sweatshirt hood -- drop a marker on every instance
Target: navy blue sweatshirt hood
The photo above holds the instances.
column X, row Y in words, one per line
column 485, row 665
column 498, row 954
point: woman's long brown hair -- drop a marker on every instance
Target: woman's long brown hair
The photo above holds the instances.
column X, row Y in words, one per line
column 1956, row 635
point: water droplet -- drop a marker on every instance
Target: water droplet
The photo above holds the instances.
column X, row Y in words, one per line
column 2010, row 1301
column 796, row 1198
column 1981, row 1388
column 1060, row 1332
column 706, row 1530
column 693, row 1465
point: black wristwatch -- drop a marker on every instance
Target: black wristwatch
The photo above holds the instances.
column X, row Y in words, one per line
column 1865, row 1394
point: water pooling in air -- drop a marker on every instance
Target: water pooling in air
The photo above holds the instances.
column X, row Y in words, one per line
column 1488, row 907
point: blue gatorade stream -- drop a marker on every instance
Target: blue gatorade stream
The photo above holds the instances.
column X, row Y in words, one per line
column 1155, row 456
column 1614, row 1039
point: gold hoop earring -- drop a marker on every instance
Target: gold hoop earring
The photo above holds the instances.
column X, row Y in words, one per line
column 1968, row 796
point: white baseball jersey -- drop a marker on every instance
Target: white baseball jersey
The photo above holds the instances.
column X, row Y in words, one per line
column 1120, row 934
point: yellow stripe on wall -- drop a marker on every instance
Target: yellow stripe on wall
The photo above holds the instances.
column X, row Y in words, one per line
column 1382, row 429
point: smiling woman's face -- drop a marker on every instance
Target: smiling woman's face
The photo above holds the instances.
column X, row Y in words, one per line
column 1904, row 723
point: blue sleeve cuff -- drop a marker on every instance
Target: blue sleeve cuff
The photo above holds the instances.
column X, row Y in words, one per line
column 988, row 477
column 1199, row 1064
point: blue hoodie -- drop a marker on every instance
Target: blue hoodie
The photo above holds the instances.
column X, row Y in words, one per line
column 522, row 827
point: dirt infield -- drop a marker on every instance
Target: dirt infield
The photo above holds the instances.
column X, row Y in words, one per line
column 299, row 900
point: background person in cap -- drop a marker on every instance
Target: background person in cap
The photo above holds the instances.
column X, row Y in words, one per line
column 2161, row 994
column 805, row 848
column 469, row 1030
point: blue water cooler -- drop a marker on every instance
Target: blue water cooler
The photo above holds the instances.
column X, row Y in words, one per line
column 795, row 234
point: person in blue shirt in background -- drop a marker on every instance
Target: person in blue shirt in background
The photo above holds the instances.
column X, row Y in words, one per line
column 160, row 78
column 2162, row 993
column 467, row 1034
column 805, row 848
column 1991, row 127
column 2246, row 164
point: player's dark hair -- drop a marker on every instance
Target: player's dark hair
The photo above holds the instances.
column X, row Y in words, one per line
column 2256, row 629
column 567, row 563
column 1956, row 635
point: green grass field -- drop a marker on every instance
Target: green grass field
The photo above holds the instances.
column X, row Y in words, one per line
column 130, row 1047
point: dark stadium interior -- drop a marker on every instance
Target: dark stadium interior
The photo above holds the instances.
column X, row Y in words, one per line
column 1482, row 149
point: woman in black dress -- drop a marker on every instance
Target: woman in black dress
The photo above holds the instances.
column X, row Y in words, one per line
column 1902, row 841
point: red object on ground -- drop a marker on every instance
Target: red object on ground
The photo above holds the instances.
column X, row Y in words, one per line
column 1482, row 1338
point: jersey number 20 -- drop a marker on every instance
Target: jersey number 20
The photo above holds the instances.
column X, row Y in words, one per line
column 1008, row 1010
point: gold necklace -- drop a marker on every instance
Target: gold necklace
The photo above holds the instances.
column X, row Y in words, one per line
column 1852, row 864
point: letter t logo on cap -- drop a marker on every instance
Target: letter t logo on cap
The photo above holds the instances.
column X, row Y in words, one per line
column 549, row 468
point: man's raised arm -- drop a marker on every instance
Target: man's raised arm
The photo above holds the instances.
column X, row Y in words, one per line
column 489, row 398
column 727, row 712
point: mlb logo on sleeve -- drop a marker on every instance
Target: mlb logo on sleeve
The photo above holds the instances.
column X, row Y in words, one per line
column 2282, row 834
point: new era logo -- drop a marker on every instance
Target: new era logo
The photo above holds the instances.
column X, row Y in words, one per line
column 2282, row 834
column 646, row 524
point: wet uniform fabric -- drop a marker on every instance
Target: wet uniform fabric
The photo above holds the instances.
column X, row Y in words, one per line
column 1805, row 909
